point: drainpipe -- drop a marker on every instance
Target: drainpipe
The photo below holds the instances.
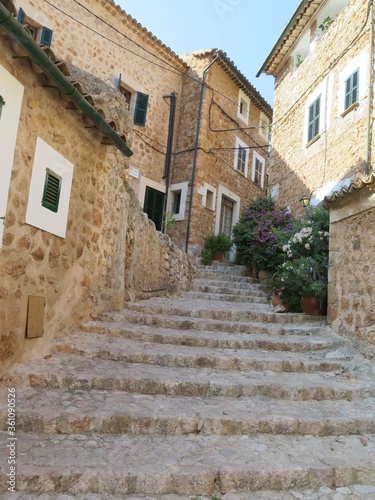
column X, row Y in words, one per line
column 20, row 36
column 370, row 92
column 168, row 155
column 196, row 152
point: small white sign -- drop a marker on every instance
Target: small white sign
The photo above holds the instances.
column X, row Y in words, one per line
column 275, row 192
column 201, row 191
column 134, row 172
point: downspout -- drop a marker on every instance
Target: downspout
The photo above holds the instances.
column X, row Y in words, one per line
column 370, row 92
column 20, row 36
column 168, row 155
column 196, row 152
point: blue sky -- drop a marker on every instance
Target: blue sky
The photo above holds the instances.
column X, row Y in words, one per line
column 245, row 29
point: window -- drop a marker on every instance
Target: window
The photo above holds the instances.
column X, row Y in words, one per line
column 140, row 109
column 314, row 120
column 226, row 216
column 41, row 34
column 50, row 189
column 209, row 197
column 351, row 89
column 154, row 206
column 176, row 202
column 241, row 157
column 137, row 101
column 258, row 171
column 243, row 107
column 264, row 125
column 51, row 193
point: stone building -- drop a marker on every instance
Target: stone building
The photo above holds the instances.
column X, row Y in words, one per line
column 222, row 146
column 73, row 239
column 321, row 129
column 167, row 108
column 351, row 298
column 323, row 143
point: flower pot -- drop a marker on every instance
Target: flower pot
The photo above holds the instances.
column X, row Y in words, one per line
column 311, row 305
column 219, row 256
column 278, row 304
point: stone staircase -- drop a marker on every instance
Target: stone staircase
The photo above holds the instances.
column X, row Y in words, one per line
column 207, row 395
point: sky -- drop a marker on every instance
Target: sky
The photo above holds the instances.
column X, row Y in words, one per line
column 245, row 29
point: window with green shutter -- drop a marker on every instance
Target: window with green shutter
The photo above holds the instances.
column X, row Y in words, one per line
column 314, row 120
column 140, row 111
column 154, row 206
column 351, row 89
column 52, row 189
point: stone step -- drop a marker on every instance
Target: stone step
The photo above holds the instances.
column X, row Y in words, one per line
column 212, row 275
column 188, row 465
column 114, row 412
column 195, row 308
column 310, row 340
column 350, row 492
column 223, row 268
column 199, row 324
column 226, row 297
column 253, row 287
column 76, row 372
column 95, row 346
column 206, row 286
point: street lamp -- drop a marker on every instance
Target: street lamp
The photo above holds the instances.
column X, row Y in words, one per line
column 305, row 202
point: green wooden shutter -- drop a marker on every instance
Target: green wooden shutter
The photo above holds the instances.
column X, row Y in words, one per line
column 154, row 206
column 314, row 120
column 141, row 109
column 46, row 36
column 351, row 89
column 52, row 189
column 21, row 17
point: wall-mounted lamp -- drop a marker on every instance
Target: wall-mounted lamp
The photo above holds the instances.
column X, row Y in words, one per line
column 305, row 202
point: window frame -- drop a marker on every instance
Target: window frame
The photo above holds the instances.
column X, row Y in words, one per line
column 241, row 147
column 314, row 119
column 243, row 103
column 258, row 158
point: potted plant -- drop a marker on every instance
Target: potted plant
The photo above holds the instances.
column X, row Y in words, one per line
column 216, row 246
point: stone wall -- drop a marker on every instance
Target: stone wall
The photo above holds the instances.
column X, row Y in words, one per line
column 110, row 253
column 100, row 38
column 351, row 310
column 298, row 169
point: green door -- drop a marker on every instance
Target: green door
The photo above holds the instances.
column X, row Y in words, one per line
column 154, row 206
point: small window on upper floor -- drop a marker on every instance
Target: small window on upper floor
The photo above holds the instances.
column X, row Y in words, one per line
column 243, row 111
column 313, row 120
column 137, row 103
column 264, row 125
column 258, row 171
column 351, row 89
column 241, row 157
column 41, row 34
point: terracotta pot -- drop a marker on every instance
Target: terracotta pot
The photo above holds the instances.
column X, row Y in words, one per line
column 311, row 305
column 219, row 256
column 276, row 301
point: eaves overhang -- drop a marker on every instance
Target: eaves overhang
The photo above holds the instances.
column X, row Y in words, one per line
column 44, row 61
column 352, row 188
column 292, row 31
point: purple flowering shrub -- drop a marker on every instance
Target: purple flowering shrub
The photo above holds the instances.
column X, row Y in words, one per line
column 261, row 233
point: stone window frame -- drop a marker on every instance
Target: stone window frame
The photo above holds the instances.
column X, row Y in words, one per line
column 325, row 90
column 209, row 196
column 241, row 147
column 358, row 63
column 258, row 160
column 182, row 188
column 243, row 108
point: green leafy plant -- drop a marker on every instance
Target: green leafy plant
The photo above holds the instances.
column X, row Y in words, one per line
column 325, row 24
column 168, row 220
column 206, row 256
column 218, row 243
